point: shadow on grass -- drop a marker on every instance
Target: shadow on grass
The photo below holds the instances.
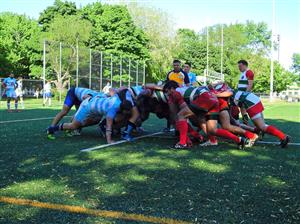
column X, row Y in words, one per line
column 215, row 185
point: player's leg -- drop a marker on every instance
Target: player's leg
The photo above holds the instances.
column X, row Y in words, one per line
column 16, row 103
column 8, row 104
column 131, row 124
column 219, row 132
column 181, row 125
column 225, row 122
column 259, row 122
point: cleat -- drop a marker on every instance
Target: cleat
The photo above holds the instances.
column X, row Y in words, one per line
column 284, row 142
column 51, row 136
column 140, row 130
column 68, row 133
column 9, row 111
column 243, row 143
column 209, row 143
column 127, row 137
column 76, row 132
column 180, row 146
column 198, row 139
column 252, row 141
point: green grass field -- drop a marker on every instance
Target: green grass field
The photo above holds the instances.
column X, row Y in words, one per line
column 202, row 185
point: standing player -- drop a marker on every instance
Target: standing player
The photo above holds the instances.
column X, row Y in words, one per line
column 254, row 109
column 10, row 84
column 47, row 93
column 181, row 78
column 245, row 83
column 192, row 76
column 19, row 91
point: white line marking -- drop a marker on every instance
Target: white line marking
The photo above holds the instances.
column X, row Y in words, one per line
column 33, row 119
column 119, row 142
column 277, row 143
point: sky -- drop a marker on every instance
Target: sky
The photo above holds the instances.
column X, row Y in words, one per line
column 196, row 14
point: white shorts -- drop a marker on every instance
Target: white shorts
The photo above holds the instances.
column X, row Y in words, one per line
column 259, row 115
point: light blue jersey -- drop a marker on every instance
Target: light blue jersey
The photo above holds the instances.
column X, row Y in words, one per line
column 80, row 92
column 10, row 85
column 192, row 77
column 136, row 90
column 96, row 107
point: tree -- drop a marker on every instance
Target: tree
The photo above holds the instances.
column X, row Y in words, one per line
column 114, row 31
column 59, row 8
column 69, row 30
column 296, row 63
column 20, row 49
column 159, row 29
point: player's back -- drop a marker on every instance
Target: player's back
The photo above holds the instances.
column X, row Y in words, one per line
column 105, row 105
column 81, row 92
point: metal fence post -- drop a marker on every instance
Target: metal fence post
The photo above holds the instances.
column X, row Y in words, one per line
column 60, row 70
column 111, row 71
column 129, row 72
column 90, row 75
column 144, row 73
column 77, row 64
column 120, row 71
column 137, row 74
column 101, row 63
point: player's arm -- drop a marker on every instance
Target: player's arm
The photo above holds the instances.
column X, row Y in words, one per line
column 250, row 76
column 224, row 94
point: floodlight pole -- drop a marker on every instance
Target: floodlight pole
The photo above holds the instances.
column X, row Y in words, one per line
column 272, row 52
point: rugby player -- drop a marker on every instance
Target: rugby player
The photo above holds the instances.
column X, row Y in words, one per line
column 201, row 103
column 10, row 84
column 254, row 109
column 92, row 109
column 74, row 97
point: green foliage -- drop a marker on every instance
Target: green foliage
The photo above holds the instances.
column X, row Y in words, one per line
column 59, row 8
column 114, row 31
column 296, row 63
column 20, row 50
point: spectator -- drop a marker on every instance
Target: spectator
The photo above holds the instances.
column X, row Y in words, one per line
column 192, row 76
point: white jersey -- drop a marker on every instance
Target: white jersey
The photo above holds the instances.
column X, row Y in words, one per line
column 47, row 88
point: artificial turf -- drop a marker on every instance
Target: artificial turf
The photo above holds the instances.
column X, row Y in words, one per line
column 203, row 185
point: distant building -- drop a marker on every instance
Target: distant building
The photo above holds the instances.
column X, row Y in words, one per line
column 291, row 94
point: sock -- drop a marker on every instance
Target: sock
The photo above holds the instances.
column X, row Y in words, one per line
column 16, row 106
column 58, row 127
column 274, row 131
column 182, row 127
column 226, row 134
column 249, row 134
column 130, row 127
column 212, row 138
column 8, row 106
column 192, row 132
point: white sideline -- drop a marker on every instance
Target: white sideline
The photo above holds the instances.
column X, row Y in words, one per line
column 33, row 119
column 120, row 142
column 277, row 143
